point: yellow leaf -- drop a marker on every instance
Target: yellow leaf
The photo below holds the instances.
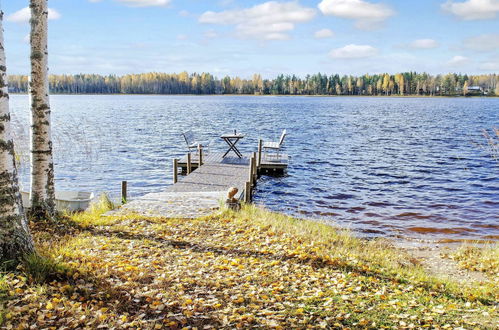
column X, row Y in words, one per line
column 363, row 322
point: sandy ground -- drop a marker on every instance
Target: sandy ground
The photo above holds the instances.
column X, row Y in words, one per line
column 432, row 257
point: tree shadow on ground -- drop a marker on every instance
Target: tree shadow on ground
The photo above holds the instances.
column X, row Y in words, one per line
column 314, row 261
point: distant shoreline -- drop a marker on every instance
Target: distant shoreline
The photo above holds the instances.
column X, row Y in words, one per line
column 283, row 95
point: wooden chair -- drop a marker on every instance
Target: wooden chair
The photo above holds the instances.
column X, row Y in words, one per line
column 274, row 145
column 191, row 141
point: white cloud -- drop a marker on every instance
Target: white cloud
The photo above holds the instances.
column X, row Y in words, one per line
column 423, row 44
column 473, row 9
column 367, row 15
column 182, row 37
column 458, row 60
column 483, row 43
column 353, row 51
column 53, row 14
column 324, row 33
column 268, row 21
column 490, row 66
column 142, row 3
column 23, row 15
column 145, row 3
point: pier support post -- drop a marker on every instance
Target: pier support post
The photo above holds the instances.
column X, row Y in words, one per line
column 175, row 170
column 250, row 176
column 200, row 152
column 260, row 144
column 247, row 193
column 255, row 169
column 189, row 164
column 123, row 192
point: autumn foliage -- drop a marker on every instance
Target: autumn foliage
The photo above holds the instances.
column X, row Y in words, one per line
column 406, row 83
column 230, row 270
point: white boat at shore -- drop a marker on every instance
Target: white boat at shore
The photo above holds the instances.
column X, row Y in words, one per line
column 65, row 200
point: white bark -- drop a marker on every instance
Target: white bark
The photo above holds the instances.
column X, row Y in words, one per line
column 15, row 238
column 42, row 164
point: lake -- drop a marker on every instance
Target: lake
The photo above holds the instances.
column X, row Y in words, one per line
column 392, row 167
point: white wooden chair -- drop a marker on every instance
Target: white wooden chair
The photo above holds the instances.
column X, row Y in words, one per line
column 191, row 141
column 276, row 146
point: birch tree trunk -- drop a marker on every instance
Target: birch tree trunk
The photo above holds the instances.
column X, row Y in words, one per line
column 42, row 164
column 15, row 238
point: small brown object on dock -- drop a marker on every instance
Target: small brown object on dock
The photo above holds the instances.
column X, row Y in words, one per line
column 231, row 202
column 231, row 193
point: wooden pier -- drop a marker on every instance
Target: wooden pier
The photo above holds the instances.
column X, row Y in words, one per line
column 219, row 174
column 197, row 190
column 215, row 174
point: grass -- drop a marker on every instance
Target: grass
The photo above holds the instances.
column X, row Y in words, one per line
column 41, row 269
column 4, row 288
column 479, row 258
column 92, row 217
column 372, row 255
column 235, row 269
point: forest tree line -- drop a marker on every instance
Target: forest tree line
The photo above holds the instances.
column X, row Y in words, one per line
column 407, row 83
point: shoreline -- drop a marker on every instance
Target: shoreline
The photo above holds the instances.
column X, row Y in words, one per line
column 282, row 95
column 397, row 240
column 435, row 256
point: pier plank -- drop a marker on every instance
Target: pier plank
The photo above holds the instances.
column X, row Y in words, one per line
column 213, row 177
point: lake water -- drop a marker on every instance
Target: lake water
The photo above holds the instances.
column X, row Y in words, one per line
column 398, row 167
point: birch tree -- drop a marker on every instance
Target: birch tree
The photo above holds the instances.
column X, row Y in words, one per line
column 15, row 238
column 386, row 83
column 42, row 164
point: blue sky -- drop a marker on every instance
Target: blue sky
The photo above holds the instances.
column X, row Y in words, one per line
column 236, row 37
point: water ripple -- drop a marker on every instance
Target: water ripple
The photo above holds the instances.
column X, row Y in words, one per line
column 406, row 167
